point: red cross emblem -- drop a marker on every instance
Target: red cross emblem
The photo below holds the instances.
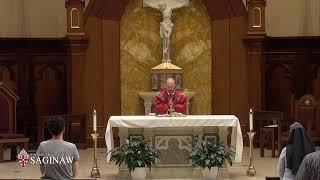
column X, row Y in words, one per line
column 23, row 158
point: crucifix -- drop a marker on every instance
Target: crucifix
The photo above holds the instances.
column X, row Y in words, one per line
column 166, row 7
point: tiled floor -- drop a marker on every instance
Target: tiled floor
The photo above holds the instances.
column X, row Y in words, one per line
column 264, row 166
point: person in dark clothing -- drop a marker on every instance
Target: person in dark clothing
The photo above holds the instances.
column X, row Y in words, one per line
column 299, row 145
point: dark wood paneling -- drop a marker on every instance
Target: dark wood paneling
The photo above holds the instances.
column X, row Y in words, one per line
column 38, row 70
column 291, row 71
column 221, row 66
column 256, row 64
column 49, row 85
column 239, row 69
column 316, row 81
column 106, row 9
column 111, row 72
column 75, row 129
column 279, row 87
column 225, row 9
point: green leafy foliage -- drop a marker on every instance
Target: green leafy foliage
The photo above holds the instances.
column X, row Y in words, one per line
column 207, row 154
column 135, row 154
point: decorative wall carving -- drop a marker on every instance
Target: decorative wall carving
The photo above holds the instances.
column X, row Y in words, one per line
column 8, row 72
column 8, row 75
column 49, row 87
column 256, row 17
column 173, row 149
column 75, row 18
column 75, row 11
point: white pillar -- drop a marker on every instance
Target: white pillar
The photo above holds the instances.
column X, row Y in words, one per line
column 147, row 107
column 223, row 134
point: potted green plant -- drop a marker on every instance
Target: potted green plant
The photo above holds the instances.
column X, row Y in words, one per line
column 209, row 156
column 137, row 155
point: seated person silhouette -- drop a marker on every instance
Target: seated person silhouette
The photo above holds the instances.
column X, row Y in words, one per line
column 59, row 158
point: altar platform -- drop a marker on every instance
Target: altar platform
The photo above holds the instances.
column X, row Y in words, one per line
column 266, row 166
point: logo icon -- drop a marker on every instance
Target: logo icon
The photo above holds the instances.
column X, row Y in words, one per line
column 23, row 158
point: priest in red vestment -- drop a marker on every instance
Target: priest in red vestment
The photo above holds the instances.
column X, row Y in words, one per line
column 170, row 97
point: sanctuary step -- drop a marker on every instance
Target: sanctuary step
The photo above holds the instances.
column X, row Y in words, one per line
column 176, row 173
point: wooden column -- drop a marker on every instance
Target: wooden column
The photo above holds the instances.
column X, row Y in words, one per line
column 255, row 44
column 229, row 65
column 256, row 72
column 111, row 72
column 75, row 77
column 221, row 66
column 103, row 26
column 77, row 43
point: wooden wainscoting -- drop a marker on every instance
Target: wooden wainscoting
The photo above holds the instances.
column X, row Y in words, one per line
column 44, row 72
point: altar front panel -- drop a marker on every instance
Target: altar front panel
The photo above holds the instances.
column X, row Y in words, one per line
column 172, row 142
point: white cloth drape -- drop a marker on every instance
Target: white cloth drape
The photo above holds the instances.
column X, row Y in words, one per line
column 188, row 121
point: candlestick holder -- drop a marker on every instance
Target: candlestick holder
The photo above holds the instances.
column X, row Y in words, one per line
column 251, row 170
column 95, row 171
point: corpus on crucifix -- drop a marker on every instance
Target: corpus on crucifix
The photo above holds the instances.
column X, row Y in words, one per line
column 166, row 7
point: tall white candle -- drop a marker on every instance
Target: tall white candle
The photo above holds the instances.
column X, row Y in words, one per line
column 94, row 120
column 251, row 120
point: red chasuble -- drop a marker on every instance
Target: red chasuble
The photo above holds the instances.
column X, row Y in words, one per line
column 162, row 102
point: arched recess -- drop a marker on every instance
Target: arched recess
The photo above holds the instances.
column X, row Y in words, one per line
column 102, row 74
column 279, row 84
column 109, row 13
column 191, row 45
column 50, row 89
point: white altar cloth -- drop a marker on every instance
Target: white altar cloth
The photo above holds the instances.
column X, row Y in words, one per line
column 187, row 121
